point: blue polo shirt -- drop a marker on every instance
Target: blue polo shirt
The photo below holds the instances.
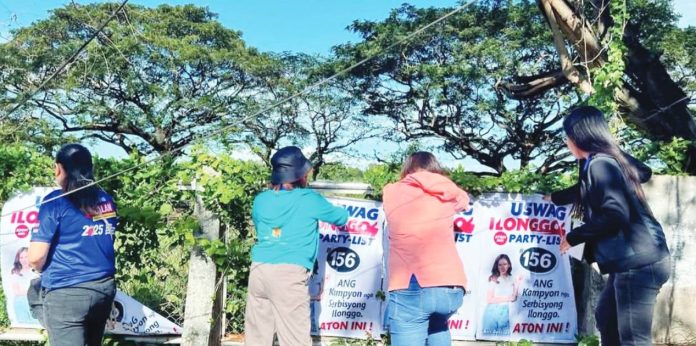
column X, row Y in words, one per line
column 82, row 246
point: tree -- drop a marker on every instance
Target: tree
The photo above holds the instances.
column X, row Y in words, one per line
column 155, row 80
column 323, row 118
column 614, row 55
column 442, row 84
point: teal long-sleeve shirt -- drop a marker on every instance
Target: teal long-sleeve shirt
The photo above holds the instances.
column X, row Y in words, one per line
column 286, row 225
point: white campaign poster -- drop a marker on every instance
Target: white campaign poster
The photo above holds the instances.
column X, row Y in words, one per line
column 15, row 231
column 129, row 317
column 525, row 290
column 20, row 218
column 463, row 323
column 348, row 276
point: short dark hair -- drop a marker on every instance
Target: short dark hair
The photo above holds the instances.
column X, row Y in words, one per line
column 421, row 160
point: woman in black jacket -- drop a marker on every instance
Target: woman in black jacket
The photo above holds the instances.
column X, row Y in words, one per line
column 619, row 231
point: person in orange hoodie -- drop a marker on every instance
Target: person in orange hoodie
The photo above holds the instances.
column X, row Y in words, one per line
column 426, row 277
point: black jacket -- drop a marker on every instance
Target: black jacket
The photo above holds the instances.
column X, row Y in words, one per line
column 620, row 232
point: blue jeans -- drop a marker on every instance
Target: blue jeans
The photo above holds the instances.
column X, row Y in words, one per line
column 625, row 308
column 76, row 315
column 496, row 319
column 417, row 314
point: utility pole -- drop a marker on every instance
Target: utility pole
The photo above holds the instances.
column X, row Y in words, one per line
column 203, row 313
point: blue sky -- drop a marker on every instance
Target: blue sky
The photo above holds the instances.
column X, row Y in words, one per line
column 309, row 26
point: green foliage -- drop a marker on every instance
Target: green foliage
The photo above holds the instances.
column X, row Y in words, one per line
column 522, row 342
column 671, row 157
column 679, row 48
column 588, row 340
column 609, row 77
column 444, row 83
column 229, row 186
column 339, row 172
column 380, row 175
column 21, row 168
column 369, row 341
column 4, row 319
column 521, row 181
column 160, row 75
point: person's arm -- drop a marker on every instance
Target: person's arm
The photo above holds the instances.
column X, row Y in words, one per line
column 565, row 196
column 41, row 240
column 569, row 194
column 608, row 200
column 443, row 188
column 38, row 253
column 327, row 212
column 516, row 287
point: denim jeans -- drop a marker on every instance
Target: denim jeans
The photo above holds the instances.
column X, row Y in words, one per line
column 76, row 315
column 496, row 319
column 625, row 308
column 418, row 314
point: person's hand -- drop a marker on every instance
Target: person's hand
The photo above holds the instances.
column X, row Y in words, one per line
column 564, row 245
column 520, row 278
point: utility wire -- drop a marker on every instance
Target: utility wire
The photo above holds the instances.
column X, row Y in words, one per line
column 24, row 98
column 253, row 115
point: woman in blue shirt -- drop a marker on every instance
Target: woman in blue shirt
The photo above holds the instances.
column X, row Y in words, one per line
column 74, row 251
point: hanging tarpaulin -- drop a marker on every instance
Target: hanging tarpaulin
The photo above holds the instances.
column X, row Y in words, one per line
column 16, row 226
column 462, row 324
column 524, row 288
column 346, row 284
column 20, row 218
column 129, row 317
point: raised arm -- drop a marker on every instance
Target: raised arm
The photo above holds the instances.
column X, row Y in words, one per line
column 609, row 204
column 327, row 212
column 441, row 187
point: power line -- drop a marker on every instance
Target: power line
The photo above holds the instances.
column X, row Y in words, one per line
column 253, row 115
column 26, row 97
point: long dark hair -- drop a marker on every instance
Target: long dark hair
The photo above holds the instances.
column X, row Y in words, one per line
column 495, row 273
column 17, row 265
column 421, row 160
column 589, row 131
column 77, row 164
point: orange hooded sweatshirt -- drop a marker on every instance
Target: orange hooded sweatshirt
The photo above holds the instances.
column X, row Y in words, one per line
column 420, row 209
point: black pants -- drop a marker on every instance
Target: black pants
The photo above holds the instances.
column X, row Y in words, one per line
column 625, row 308
column 76, row 315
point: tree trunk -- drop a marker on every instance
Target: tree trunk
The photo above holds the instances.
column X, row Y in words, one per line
column 653, row 102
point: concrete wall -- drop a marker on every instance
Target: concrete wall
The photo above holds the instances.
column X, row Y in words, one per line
column 673, row 201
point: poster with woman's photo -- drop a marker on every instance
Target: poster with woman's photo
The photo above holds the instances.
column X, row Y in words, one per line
column 20, row 219
column 524, row 284
column 16, row 227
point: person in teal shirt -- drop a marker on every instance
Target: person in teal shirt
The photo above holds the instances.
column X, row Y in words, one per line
column 286, row 218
